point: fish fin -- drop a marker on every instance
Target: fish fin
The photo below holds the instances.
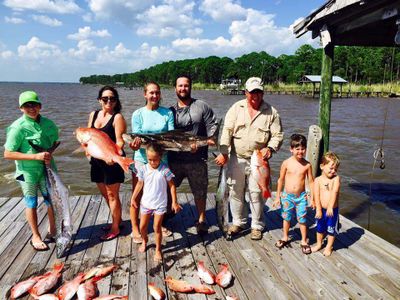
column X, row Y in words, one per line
column 78, row 150
column 124, row 162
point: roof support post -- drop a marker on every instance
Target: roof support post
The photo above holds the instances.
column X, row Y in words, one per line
column 326, row 94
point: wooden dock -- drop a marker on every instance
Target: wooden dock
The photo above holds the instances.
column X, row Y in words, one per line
column 362, row 266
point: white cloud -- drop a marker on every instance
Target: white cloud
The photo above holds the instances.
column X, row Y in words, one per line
column 223, row 10
column 87, row 17
column 49, row 6
column 14, row 20
column 257, row 32
column 6, row 54
column 118, row 10
column 38, row 50
column 172, row 19
column 86, row 32
column 45, row 20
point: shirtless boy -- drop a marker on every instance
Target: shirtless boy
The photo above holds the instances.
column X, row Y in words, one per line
column 326, row 196
column 292, row 178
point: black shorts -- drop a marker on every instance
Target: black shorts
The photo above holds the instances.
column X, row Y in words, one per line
column 197, row 174
column 100, row 172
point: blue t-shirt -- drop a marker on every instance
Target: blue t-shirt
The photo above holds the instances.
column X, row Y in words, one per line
column 145, row 120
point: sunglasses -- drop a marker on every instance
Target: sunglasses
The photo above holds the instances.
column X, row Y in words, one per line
column 30, row 105
column 112, row 99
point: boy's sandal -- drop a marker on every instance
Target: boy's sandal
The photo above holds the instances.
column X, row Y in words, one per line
column 39, row 246
column 306, row 249
column 282, row 244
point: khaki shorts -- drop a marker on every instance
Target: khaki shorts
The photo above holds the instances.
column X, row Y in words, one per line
column 197, row 175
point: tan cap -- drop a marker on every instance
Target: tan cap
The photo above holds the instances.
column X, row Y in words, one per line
column 254, row 83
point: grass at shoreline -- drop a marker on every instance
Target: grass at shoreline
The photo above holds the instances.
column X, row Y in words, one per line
column 352, row 87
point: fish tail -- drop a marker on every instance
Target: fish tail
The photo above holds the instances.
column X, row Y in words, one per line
column 266, row 193
column 124, row 162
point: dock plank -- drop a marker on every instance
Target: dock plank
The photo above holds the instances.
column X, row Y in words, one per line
column 361, row 266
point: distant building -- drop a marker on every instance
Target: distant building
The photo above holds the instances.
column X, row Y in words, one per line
column 230, row 84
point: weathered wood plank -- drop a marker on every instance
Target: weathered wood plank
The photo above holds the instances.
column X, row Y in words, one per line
column 3, row 200
column 9, row 205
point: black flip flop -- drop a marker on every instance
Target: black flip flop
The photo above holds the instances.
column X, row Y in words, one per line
column 39, row 249
column 282, row 244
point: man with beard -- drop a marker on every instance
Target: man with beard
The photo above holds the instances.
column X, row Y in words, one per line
column 195, row 117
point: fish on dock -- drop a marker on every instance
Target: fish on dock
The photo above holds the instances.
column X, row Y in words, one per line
column 100, row 271
column 23, row 287
column 156, row 292
column 111, row 297
column 222, row 201
column 88, row 290
column 98, row 144
column 203, row 289
column 180, row 286
column 204, row 273
column 224, row 277
column 59, row 196
column 47, row 282
column 68, row 290
column 260, row 171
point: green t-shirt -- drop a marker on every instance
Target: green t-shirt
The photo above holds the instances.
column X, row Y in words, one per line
column 43, row 133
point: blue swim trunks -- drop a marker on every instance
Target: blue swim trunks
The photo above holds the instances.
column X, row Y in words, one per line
column 329, row 225
column 30, row 191
column 289, row 202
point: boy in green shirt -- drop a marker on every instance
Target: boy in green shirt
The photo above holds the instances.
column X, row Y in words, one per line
column 33, row 128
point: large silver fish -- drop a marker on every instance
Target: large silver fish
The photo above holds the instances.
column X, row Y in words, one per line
column 173, row 140
column 222, row 201
column 59, row 196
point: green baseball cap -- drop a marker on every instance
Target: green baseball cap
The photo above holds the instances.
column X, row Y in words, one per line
column 28, row 96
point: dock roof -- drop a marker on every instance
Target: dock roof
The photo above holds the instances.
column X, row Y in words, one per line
column 355, row 22
column 317, row 79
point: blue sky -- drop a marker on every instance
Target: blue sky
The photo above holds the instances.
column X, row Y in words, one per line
column 62, row 40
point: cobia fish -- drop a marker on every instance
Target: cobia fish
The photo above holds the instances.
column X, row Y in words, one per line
column 155, row 292
column 204, row 273
column 47, row 282
column 59, row 196
column 224, row 276
column 99, row 145
column 261, row 173
column 69, row 289
column 24, row 286
column 173, row 140
column 222, row 201
column 180, row 286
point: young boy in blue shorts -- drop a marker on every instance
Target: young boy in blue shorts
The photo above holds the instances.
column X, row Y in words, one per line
column 33, row 128
column 326, row 196
column 293, row 174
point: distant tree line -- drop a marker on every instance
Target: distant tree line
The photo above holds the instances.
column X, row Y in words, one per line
column 365, row 65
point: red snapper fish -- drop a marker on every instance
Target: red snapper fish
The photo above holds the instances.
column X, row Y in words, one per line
column 47, row 282
column 203, row 289
column 111, row 297
column 204, row 273
column 232, row 298
column 24, row 286
column 261, row 173
column 180, row 286
column 88, row 290
column 99, row 145
column 100, row 271
column 46, row 297
column 224, row 276
column 156, row 292
column 69, row 289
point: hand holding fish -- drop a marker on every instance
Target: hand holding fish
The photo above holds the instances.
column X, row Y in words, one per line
column 45, row 156
column 266, row 153
column 193, row 147
column 221, row 159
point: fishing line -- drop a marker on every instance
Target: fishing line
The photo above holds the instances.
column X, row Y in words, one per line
column 379, row 154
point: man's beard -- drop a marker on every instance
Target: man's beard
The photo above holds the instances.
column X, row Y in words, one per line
column 184, row 98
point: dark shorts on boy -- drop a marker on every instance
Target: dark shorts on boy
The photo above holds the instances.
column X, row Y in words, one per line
column 291, row 202
column 100, row 172
column 197, row 175
column 328, row 225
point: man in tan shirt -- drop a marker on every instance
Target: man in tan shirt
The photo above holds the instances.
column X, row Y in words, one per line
column 250, row 124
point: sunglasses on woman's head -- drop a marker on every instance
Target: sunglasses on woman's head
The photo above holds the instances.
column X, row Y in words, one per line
column 112, row 99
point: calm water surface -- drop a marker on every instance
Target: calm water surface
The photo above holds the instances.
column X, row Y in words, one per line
column 356, row 132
